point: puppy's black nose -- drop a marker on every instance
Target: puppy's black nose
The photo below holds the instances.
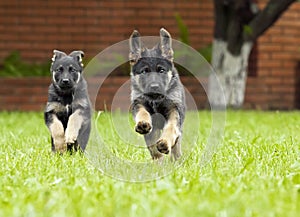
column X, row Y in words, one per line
column 154, row 86
column 66, row 81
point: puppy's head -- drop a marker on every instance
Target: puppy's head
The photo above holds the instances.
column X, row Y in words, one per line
column 66, row 69
column 151, row 69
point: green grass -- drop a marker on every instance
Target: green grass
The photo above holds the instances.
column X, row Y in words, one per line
column 255, row 172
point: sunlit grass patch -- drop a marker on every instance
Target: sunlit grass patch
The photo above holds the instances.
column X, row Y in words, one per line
column 254, row 172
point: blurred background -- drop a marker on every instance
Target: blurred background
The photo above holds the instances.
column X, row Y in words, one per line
column 31, row 29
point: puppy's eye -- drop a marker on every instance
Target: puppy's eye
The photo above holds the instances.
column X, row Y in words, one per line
column 144, row 70
column 59, row 69
column 71, row 69
column 161, row 69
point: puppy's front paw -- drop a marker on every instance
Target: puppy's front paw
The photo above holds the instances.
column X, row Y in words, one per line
column 143, row 127
column 70, row 137
column 60, row 145
column 163, row 146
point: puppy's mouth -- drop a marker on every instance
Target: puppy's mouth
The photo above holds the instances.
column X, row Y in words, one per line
column 65, row 87
column 155, row 95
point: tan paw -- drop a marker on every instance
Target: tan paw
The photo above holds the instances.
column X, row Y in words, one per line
column 61, row 148
column 70, row 136
column 59, row 144
column 143, row 127
column 163, row 146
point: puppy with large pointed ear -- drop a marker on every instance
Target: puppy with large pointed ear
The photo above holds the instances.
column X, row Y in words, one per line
column 68, row 110
column 157, row 95
column 135, row 46
column 57, row 55
column 77, row 55
column 166, row 44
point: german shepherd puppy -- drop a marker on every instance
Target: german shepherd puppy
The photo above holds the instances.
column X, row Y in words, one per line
column 157, row 95
column 68, row 110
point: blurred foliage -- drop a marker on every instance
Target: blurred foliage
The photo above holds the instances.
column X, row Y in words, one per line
column 247, row 29
column 14, row 66
column 183, row 30
column 206, row 51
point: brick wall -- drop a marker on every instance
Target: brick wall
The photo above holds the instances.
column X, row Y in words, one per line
column 278, row 57
column 36, row 27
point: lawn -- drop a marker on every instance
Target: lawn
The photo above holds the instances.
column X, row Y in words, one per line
column 255, row 172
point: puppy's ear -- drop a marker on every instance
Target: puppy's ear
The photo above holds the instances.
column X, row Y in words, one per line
column 57, row 55
column 166, row 44
column 135, row 47
column 77, row 55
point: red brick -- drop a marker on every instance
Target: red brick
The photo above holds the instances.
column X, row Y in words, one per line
column 87, row 4
column 265, row 39
column 59, row 4
column 282, row 72
column 269, row 64
column 275, row 30
column 281, row 55
column 283, row 39
column 274, row 81
column 267, row 47
column 291, row 31
column 289, row 64
column 283, row 89
column 291, row 48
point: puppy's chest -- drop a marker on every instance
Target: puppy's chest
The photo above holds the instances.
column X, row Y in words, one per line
column 63, row 111
column 158, row 106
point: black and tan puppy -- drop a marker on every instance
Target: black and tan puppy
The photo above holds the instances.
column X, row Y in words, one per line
column 157, row 95
column 68, row 110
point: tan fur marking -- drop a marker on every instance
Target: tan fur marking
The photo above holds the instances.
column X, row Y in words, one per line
column 74, row 125
column 169, row 75
column 142, row 115
column 57, row 132
column 55, row 106
column 83, row 102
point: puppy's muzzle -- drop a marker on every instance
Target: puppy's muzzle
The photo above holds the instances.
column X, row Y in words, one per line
column 154, row 87
column 66, row 81
column 155, row 90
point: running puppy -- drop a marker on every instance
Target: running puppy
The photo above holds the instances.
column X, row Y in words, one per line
column 157, row 95
column 68, row 110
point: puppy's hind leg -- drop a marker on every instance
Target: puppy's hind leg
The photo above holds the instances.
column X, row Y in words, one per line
column 176, row 149
column 150, row 139
column 170, row 135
